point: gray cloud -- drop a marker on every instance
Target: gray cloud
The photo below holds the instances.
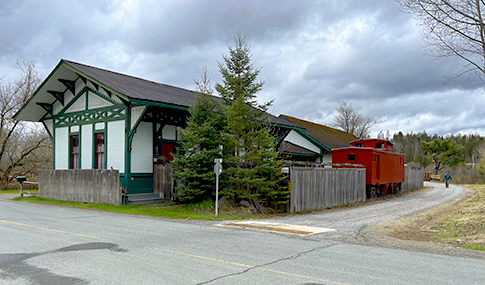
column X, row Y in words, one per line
column 313, row 54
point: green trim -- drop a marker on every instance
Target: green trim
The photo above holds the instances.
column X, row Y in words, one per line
column 312, row 140
column 47, row 129
column 70, row 135
column 132, row 130
column 105, row 148
column 127, row 175
column 38, row 88
column 300, row 154
column 85, row 91
column 99, row 83
column 159, row 104
column 106, row 114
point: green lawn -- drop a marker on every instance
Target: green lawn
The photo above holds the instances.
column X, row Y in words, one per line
column 167, row 209
column 16, row 191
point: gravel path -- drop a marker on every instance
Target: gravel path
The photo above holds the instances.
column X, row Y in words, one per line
column 350, row 222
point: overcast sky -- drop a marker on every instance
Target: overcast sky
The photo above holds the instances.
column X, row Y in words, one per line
column 314, row 54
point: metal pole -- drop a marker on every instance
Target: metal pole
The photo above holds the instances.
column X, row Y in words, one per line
column 217, row 192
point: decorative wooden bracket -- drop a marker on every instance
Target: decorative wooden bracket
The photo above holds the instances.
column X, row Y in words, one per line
column 46, row 106
column 70, row 85
column 58, row 95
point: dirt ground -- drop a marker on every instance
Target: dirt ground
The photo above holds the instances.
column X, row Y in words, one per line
column 430, row 231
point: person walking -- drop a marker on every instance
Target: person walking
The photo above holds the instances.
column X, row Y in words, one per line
column 447, row 179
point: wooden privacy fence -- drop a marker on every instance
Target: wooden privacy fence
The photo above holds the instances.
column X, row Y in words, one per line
column 99, row 186
column 413, row 178
column 163, row 181
column 316, row 188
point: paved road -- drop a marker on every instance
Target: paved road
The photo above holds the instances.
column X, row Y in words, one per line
column 42, row 244
column 351, row 221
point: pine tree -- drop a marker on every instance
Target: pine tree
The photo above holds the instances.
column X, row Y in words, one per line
column 251, row 166
column 199, row 145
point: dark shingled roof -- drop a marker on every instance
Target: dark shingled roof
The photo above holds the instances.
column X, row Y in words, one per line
column 329, row 137
column 295, row 149
column 146, row 90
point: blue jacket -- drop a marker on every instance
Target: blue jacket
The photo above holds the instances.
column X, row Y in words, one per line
column 447, row 177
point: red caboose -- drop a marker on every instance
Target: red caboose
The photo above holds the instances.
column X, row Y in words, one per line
column 384, row 169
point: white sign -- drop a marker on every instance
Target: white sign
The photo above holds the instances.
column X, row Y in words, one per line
column 218, row 166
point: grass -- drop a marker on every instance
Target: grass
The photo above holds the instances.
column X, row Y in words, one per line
column 16, row 191
column 464, row 224
column 202, row 211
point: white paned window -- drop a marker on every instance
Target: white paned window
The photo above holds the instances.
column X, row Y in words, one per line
column 62, row 148
column 116, row 145
column 87, row 146
column 168, row 132
column 99, row 126
column 142, row 149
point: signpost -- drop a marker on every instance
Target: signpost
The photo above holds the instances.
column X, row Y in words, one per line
column 218, row 171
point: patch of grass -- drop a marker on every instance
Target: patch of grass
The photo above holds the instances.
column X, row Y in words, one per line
column 173, row 210
column 472, row 246
column 465, row 221
column 16, row 191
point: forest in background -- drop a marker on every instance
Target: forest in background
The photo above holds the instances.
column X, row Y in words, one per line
column 461, row 155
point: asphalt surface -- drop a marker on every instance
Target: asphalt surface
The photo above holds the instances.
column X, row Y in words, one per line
column 42, row 244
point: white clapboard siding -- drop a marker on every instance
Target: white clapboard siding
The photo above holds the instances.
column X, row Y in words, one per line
column 62, row 148
column 296, row 138
column 142, row 149
column 78, row 105
column 95, row 102
column 87, row 146
column 169, row 132
column 99, row 126
column 116, row 145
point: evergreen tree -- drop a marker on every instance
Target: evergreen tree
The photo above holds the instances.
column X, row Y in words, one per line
column 251, row 166
column 199, row 145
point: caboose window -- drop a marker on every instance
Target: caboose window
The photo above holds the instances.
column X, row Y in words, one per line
column 380, row 145
column 351, row 157
column 359, row 145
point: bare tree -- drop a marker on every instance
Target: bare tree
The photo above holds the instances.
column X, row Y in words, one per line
column 452, row 28
column 19, row 144
column 350, row 121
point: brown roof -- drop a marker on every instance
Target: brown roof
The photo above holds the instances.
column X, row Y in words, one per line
column 329, row 137
column 295, row 149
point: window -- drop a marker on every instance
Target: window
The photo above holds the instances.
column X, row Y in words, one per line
column 380, row 145
column 99, row 150
column 359, row 145
column 75, row 152
column 351, row 157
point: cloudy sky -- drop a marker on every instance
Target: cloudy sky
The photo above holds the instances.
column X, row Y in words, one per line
column 314, row 54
